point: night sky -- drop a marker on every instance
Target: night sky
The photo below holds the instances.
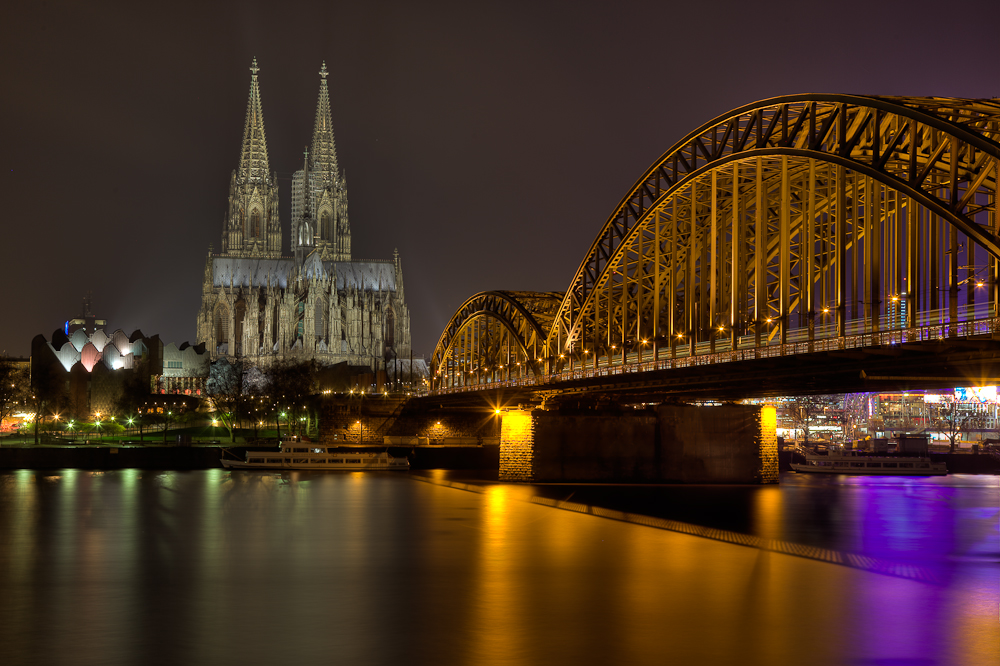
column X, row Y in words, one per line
column 489, row 143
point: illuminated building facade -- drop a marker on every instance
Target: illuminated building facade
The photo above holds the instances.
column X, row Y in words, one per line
column 79, row 368
column 317, row 304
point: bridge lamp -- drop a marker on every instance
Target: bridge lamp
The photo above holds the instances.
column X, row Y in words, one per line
column 826, row 310
column 722, row 329
column 680, row 336
column 497, row 412
column 768, row 320
column 562, row 356
column 979, row 284
column 645, row 342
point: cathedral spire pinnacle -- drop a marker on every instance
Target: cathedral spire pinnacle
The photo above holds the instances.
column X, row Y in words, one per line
column 253, row 156
column 324, row 149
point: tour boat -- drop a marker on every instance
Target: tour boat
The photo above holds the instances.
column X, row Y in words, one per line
column 862, row 464
column 296, row 455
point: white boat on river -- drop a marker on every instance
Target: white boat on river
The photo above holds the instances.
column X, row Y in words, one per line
column 298, row 455
column 847, row 463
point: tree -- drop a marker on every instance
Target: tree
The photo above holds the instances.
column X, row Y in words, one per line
column 134, row 394
column 292, row 382
column 255, row 387
column 13, row 387
column 47, row 391
column 955, row 425
column 227, row 392
column 804, row 411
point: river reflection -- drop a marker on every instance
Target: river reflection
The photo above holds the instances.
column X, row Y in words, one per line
column 211, row 567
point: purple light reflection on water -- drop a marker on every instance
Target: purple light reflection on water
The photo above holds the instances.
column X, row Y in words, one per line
column 926, row 520
column 901, row 519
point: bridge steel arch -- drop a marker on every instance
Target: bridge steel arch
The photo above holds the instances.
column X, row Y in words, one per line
column 793, row 219
column 836, row 201
column 494, row 335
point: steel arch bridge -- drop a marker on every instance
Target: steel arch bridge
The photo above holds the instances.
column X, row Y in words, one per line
column 790, row 225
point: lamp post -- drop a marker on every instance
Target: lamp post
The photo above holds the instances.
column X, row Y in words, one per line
column 166, row 424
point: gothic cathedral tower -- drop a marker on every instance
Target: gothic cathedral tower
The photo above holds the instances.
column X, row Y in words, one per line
column 320, row 211
column 316, row 304
column 251, row 227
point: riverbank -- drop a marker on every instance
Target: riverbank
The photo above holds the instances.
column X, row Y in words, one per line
column 200, row 456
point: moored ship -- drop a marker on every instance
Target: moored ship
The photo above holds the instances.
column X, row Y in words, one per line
column 845, row 463
column 296, row 455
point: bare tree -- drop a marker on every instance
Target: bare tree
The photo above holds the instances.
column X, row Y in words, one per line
column 47, row 392
column 228, row 392
column 292, row 382
column 14, row 387
column 135, row 393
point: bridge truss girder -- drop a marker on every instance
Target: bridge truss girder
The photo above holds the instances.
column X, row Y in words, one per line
column 790, row 219
column 494, row 335
column 795, row 162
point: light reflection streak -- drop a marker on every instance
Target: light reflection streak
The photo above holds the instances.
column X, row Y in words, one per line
column 378, row 567
column 495, row 613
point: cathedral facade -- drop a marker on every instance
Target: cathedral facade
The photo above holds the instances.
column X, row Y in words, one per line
column 261, row 305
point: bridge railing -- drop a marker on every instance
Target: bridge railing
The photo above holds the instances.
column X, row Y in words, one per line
column 799, row 344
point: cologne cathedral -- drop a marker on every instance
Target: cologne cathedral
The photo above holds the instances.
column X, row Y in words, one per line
column 259, row 304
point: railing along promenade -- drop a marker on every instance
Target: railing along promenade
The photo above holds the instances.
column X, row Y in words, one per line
column 746, row 350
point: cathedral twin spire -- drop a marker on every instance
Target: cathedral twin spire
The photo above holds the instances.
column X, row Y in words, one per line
column 253, row 157
column 319, row 197
column 324, row 149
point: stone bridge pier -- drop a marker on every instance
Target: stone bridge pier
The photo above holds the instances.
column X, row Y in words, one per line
column 665, row 444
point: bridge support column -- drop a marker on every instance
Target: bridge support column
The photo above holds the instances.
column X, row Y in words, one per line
column 517, row 446
column 670, row 444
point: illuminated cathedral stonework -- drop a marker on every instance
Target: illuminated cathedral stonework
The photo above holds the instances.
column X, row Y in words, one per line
column 261, row 305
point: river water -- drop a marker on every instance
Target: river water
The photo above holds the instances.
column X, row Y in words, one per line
column 217, row 567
